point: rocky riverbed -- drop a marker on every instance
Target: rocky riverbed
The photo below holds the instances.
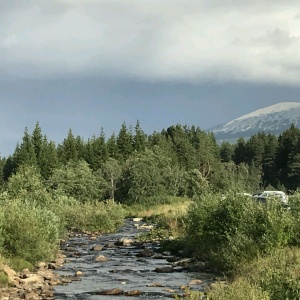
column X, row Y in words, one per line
column 117, row 266
column 33, row 285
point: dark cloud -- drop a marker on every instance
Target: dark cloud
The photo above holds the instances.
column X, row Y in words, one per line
column 189, row 41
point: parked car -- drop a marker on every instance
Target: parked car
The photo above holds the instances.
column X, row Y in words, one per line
column 265, row 195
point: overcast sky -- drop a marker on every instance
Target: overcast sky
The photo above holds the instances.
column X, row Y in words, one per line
column 98, row 63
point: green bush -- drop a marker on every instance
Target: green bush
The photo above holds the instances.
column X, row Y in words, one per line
column 294, row 204
column 29, row 232
column 232, row 230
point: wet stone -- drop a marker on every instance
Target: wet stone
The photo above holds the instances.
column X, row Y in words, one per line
column 101, row 258
column 166, row 269
column 133, row 293
column 97, row 248
column 114, row 292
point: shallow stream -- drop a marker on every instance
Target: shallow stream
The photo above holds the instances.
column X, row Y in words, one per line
column 130, row 270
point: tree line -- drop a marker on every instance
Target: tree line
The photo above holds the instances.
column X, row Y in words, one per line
column 133, row 167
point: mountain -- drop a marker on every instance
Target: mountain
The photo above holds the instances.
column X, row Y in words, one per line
column 272, row 119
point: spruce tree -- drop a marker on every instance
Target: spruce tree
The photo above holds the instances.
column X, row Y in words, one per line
column 124, row 143
column 226, row 152
column 268, row 164
column 37, row 140
column 25, row 153
column 68, row 150
column 48, row 158
column 240, row 152
column 287, row 143
column 111, row 146
column 139, row 138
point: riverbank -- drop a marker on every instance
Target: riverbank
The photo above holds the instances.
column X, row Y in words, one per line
column 33, row 285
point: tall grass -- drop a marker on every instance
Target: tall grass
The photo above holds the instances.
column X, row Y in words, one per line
column 170, row 216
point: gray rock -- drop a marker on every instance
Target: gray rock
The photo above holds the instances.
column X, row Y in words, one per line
column 166, row 269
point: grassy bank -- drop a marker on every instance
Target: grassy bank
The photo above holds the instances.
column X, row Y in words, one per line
column 255, row 245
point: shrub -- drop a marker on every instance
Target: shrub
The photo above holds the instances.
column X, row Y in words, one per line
column 231, row 230
column 29, row 232
column 294, row 203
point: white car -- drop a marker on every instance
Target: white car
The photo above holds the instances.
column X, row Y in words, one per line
column 268, row 194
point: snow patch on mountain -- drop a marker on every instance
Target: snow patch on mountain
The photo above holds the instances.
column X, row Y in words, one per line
column 276, row 108
column 273, row 119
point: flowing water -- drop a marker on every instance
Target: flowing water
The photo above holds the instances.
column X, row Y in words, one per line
column 126, row 269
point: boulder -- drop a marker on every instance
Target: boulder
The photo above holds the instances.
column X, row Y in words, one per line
column 97, row 248
column 167, row 269
column 124, row 242
column 137, row 219
column 101, row 258
column 112, row 292
column 196, row 282
column 145, row 253
column 133, row 293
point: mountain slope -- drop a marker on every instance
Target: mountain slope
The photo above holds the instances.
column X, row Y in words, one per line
column 274, row 119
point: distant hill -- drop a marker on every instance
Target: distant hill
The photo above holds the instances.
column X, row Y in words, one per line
column 272, row 119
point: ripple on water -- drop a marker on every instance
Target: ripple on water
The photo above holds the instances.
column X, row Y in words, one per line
column 124, row 270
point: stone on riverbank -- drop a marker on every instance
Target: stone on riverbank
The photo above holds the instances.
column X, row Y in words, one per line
column 29, row 285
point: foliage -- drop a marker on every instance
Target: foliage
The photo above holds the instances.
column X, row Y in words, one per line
column 240, row 289
column 111, row 171
column 29, row 232
column 231, row 230
column 4, row 280
column 93, row 216
column 27, row 185
column 171, row 205
column 77, row 180
column 155, row 234
column 278, row 274
column 18, row 264
column 143, row 178
column 195, row 183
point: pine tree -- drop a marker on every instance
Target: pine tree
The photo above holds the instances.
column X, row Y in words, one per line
column 255, row 149
column 111, row 146
column 226, row 152
column 68, row 150
column 124, row 143
column 139, row 138
column 96, row 151
column 37, row 140
column 287, row 143
column 48, row 158
column 9, row 167
column 25, row 153
column 268, row 164
column 185, row 152
column 240, row 152
column 80, row 147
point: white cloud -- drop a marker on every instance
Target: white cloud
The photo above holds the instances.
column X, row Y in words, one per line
column 184, row 40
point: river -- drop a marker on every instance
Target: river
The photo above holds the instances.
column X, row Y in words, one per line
column 138, row 270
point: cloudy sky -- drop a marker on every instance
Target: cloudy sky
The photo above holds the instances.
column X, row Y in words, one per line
column 98, row 63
